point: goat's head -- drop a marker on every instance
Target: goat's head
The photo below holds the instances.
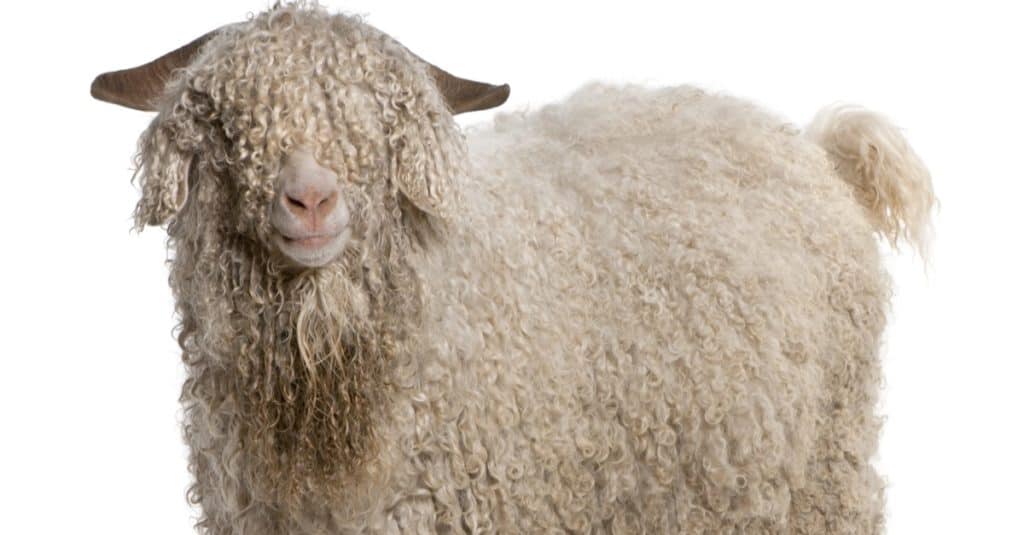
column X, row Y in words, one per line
column 296, row 139
column 299, row 131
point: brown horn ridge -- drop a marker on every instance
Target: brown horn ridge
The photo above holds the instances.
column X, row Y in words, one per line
column 466, row 95
column 139, row 87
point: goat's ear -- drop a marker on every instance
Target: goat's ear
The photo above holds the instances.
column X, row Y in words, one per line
column 163, row 165
column 427, row 148
column 426, row 155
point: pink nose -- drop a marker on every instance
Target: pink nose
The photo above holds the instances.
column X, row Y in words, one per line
column 311, row 203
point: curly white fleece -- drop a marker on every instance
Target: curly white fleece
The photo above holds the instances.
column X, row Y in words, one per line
column 659, row 311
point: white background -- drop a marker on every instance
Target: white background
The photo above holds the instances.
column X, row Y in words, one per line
column 90, row 373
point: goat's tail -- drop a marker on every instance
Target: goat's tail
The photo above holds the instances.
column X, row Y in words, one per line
column 887, row 177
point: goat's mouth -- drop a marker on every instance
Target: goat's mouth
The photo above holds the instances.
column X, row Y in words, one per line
column 307, row 242
column 312, row 250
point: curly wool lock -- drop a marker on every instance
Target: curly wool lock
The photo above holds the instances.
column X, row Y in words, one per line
column 636, row 310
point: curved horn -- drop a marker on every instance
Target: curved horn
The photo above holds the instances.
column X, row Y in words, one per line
column 139, row 87
column 466, row 95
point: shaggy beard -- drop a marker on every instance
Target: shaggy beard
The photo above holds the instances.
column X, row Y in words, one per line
column 289, row 370
column 307, row 396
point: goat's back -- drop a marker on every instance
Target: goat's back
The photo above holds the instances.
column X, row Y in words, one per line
column 656, row 309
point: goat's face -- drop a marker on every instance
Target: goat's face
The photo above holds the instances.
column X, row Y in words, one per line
column 299, row 132
column 309, row 216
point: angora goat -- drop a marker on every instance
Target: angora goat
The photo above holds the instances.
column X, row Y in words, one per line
column 633, row 311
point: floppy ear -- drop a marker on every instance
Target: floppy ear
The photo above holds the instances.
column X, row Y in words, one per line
column 163, row 164
column 427, row 148
column 166, row 148
column 427, row 153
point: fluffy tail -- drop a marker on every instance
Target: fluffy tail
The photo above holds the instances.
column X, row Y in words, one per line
column 888, row 178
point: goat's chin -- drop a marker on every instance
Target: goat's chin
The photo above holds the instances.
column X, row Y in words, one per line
column 312, row 252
